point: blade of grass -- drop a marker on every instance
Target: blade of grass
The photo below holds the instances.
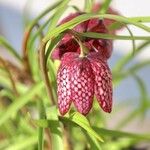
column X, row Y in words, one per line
column 113, row 37
column 42, row 115
column 4, row 43
column 25, row 143
column 117, row 77
column 55, row 129
column 59, row 12
column 88, row 4
column 105, row 6
column 85, row 17
column 117, row 25
column 130, row 117
column 123, row 61
column 10, row 76
column 121, row 134
column 52, row 45
column 143, row 95
column 83, row 122
column 28, row 32
column 34, row 22
column 93, row 142
column 20, row 102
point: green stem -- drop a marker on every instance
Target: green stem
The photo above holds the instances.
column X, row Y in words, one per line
column 44, row 72
column 10, row 76
column 83, row 49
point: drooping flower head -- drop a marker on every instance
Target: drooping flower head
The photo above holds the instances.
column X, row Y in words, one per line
column 80, row 78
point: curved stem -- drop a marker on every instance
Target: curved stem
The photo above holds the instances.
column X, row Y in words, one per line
column 5, row 43
column 28, row 32
column 10, row 76
column 44, row 71
column 83, row 49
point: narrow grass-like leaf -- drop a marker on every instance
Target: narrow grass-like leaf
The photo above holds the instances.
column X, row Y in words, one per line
column 85, row 17
column 113, row 37
column 123, row 61
column 83, row 122
column 127, row 119
column 4, row 43
column 20, row 102
column 52, row 76
column 105, row 6
column 42, row 115
column 26, row 127
column 117, row 25
column 76, row 119
column 53, row 124
column 121, row 134
column 88, row 6
column 94, row 143
column 117, row 77
column 59, row 12
column 56, row 132
column 52, row 45
column 25, row 143
column 50, row 8
column 143, row 94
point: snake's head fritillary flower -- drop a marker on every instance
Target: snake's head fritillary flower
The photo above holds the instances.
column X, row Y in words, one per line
column 69, row 44
column 79, row 78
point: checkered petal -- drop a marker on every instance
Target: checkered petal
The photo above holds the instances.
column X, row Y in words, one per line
column 82, row 85
column 103, row 83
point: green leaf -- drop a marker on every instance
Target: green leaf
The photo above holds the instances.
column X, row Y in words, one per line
column 133, row 40
column 52, row 45
column 56, row 131
column 59, row 12
column 143, row 95
column 117, row 77
column 4, row 43
column 126, row 59
column 52, row 75
column 88, row 6
column 52, row 20
column 113, row 37
column 115, row 26
column 94, row 143
column 83, row 122
column 20, row 102
column 42, row 115
column 24, row 143
column 84, row 17
column 105, row 7
column 119, row 134
column 50, row 8
column 127, row 119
